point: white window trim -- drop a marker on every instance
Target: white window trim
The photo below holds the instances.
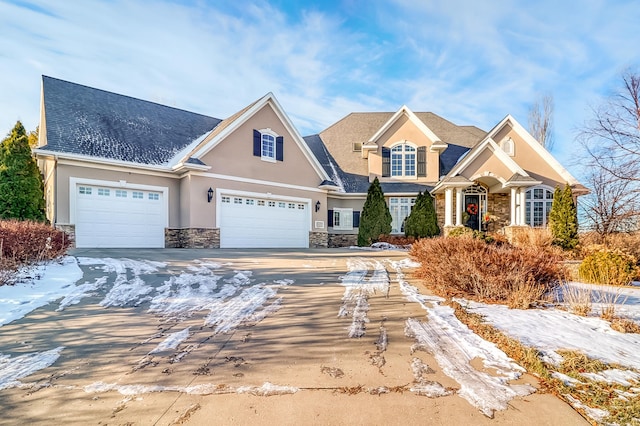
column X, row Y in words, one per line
column 415, row 161
column 274, row 135
column 74, row 182
column 530, row 201
column 346, row 219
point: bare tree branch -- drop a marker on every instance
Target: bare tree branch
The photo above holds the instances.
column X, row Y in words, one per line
column 541, row 121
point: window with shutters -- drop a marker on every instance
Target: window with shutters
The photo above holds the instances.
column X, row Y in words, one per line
column 404, row 160
column 268, row 145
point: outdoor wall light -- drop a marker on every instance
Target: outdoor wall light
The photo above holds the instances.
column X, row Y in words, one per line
column 209, row 195
column 317, row 205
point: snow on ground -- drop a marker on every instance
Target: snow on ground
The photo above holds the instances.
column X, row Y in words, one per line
column 556, row 329
column 13, row 369
column 267, row 389
column 454, row 346
column 172, row 341
column 358, row 289
column 52, row 282
column 614, row 375
column 625, row 300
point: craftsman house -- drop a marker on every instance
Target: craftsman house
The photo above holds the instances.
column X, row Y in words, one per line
column 124, row 172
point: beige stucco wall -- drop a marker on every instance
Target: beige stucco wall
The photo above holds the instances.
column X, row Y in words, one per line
column 533, row 163
column 202, row 214
column 404, row 129
column 233, row 156
column 65, row 171
column 486, row 161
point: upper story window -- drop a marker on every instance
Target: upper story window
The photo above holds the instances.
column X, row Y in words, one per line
column 538, row 204
column 403, row 160
column 268, row 145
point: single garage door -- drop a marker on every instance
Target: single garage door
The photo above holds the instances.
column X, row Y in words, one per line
column 253, row 222
column 119, row 217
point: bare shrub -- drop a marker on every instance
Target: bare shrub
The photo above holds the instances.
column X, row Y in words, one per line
column 578, row 299
column 610, row 298
column 469, row 267
column 25, row 242
column 397, row 240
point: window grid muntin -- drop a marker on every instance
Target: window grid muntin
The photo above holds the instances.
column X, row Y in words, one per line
column 403, row 160
column 268, row 146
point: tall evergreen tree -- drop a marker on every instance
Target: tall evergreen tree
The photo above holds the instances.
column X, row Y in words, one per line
column 563, row 219
column 375, row 219
column 422, row 221
column 21, row 186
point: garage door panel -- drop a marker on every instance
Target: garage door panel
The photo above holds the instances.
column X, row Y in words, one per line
column 105, row 220
column 263, row 223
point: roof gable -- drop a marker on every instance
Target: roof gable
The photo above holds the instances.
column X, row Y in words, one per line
column 535, row 146
column 88, row 122
column 231, row 124
column 403, row 111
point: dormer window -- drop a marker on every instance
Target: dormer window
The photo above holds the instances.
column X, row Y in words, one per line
column 508, row 146
column 403, row 160
column 268, row 145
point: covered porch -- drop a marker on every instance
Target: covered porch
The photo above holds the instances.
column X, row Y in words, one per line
column 483, row 203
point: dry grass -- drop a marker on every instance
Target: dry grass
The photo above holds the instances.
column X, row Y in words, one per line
column 622, row 403
column 471, row 268
column 579, row 299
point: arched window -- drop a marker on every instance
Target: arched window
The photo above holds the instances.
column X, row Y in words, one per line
column 403, row 160
column 538, row 205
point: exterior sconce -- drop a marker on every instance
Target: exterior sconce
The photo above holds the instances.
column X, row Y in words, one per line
column 209, row 195
column 317, row 206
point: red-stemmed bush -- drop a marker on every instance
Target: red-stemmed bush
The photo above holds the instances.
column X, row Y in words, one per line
column 26, row 242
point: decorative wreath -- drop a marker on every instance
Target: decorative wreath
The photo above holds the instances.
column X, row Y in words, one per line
column 472, row 208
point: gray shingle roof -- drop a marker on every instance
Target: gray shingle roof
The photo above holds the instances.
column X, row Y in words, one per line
column 86, row 121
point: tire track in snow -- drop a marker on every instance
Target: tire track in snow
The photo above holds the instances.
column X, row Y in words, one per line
column 358, row 289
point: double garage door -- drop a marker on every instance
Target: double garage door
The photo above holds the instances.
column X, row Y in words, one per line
column 119, row 217
column 254, row 222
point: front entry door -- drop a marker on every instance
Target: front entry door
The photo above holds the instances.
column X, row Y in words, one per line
column 472, row 208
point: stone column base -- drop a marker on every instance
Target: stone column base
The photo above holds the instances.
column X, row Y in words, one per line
column 70, row 230
column 192, row 238
column 318, row 240
column 342, row 240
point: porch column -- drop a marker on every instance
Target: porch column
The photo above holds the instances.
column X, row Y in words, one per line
column 513, row 218
column 448, row 207
column 459, row 206
column 523, row 200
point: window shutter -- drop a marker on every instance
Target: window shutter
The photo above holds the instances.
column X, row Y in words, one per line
column 356, row 219
column 257, row 143
column 422, row 161
column 280, row 148
column 330, row 218
column 386, row 162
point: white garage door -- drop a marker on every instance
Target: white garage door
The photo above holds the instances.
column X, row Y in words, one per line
column 250, row 222
column 119, row 217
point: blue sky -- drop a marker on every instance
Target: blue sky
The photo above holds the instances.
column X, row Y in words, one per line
column 471, row 62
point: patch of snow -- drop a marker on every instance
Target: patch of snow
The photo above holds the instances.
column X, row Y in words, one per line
column 80, row 291
column 430, row 389
column 358, row 289
column 566, row 380
column 614, row 375
column 556, row 330
column 267, row 389
column 229, row 314
column 454, row 345
column 13, row 369
column 120, row 266
column 625, row 300
column 53, row 281
column 125, row 292
column 172, row 341
column 181, row 296
column 595, row 413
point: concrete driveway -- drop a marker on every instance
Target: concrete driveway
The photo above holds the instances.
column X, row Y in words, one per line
column 164, row 337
